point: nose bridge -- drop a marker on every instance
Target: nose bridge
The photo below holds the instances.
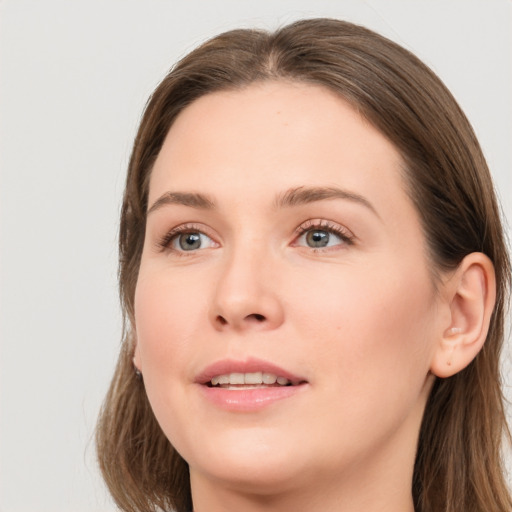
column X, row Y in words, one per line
column 246, row 295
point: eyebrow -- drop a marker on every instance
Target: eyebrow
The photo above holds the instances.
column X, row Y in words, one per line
column 191, row 199
column 293, row 197
column 304, row 195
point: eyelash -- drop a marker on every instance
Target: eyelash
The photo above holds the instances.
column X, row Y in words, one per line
column 164, row 243
column 324, row 225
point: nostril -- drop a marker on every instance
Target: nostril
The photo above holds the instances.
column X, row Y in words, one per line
column 254, row 318
column 221, row 320
column 257, row 317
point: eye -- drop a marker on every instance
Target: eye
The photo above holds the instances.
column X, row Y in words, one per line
column 185, row 239
column 323, row 234
column 191, row 241
column 320, row 238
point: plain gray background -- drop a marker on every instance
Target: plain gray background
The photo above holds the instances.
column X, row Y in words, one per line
column 75, row 76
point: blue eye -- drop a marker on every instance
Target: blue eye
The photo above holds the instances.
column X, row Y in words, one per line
column 319, row 238
column 191, row 241
column 323, row 234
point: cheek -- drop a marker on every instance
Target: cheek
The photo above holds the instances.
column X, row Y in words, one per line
column 166, row 319
column 371, row 329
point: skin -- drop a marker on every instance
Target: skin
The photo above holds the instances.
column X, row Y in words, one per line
column 360, row 320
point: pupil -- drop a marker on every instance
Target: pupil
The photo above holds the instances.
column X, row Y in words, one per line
column 317, row 238
column 190, row 241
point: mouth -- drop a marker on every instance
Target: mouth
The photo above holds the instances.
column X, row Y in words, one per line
column 250, row 380
column 248, row 385
column 249, row 373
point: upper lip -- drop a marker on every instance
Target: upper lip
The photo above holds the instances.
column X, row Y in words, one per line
column 250, row 365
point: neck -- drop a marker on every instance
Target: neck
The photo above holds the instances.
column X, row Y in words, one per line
column 299, row 502
column 385, row 487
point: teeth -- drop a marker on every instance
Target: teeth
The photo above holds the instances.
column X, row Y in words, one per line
column 254, row 378
column 236, row 378
column 269, row 378
column 224, row 379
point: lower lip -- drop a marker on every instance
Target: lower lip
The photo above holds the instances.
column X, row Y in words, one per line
column 247, row 400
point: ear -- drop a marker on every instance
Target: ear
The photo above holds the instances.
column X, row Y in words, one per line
column 470, row 294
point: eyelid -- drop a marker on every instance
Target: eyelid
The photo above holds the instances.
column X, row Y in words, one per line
column 164, row 242
column 325, row 225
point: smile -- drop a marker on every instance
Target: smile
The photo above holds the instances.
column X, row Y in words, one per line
column 249, row 380
column 247, row 386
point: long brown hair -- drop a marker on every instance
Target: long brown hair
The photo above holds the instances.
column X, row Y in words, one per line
column 458, row 464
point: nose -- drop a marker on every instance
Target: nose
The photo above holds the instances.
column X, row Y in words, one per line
column 246, row 296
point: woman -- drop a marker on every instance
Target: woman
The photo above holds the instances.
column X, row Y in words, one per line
column 314, row 279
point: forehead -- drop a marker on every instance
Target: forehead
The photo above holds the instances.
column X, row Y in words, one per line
column 274, row 135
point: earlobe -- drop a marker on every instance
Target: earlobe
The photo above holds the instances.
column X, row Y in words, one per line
column 470, row 293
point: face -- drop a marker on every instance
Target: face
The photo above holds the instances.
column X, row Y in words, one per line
column 285, row 313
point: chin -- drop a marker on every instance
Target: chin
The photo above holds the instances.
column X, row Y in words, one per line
column 255, row 478
column 250, row 465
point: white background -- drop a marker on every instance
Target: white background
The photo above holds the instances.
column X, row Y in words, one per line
column 75, row 76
